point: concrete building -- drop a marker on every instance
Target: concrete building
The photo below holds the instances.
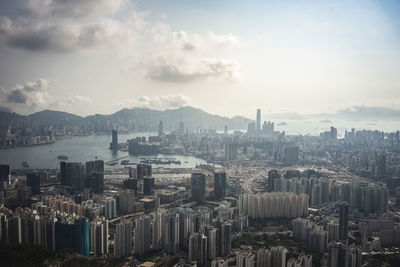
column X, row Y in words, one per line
column 142, row 236
column 198, row 184
column 198, row 249
column 123, row 239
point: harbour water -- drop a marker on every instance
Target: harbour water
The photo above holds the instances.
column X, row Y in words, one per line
column 82, row 149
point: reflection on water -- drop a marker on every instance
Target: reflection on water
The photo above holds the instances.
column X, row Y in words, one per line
column 82, row 149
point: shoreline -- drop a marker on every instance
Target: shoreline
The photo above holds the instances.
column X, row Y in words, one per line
column 43, row 144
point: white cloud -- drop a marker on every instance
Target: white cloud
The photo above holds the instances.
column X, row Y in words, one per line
column 35, row 96
column 157, row 102
column 32, row 95
column 176, row 41
column 69, row 26
column 189, row 70
column 79, row 99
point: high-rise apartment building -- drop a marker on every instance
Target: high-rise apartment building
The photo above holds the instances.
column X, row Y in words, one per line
column 142, row 235
column 123, row 239
column 343, row 220
column 171, row 233
column 230, row 151
column 291, row 155
column 198, row 249
column 157, row 231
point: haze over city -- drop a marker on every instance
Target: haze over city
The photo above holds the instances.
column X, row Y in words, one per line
column 226, row 57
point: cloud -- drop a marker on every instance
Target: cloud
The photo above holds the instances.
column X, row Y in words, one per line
column 69, row 26
column 190, row 70
column 34, row 96
column 30, row 94
column 223, row 39
column 157, row 102
column 368, row 113
column 65, row 25
column 176, row 41
column 56, row 9
column 79, row 99
column 63, row 37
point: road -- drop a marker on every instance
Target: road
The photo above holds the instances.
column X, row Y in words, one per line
column 247, row 186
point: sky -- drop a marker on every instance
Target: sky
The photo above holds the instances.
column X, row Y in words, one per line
column 226, row 57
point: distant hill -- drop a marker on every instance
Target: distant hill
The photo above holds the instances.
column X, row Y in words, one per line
column 137, row 119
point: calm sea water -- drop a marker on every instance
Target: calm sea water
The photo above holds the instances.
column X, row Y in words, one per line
column 316, row 126
column 82, row 149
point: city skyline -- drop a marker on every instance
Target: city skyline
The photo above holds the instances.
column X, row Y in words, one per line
column 287, row 57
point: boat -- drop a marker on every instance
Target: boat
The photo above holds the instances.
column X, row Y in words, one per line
column 25, row 163
column 62, row 157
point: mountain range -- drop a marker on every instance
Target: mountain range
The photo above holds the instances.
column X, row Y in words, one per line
column 136, row 119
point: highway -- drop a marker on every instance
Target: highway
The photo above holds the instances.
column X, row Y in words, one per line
column 247, row 186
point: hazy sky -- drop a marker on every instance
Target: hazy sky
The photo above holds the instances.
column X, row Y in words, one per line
column 224, row 56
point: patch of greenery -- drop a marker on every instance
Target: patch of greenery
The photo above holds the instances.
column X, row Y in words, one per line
column 264, row 241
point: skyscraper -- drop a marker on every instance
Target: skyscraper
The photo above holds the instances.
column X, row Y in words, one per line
column 143, row 170
column 33, row 181
column 341, row 255
column 272, row 174
column 264, row 258
column 278, row 256
column 114, row 141
column 343, row 220
column 160, row 129
column 198, row 183
column 219, row 185
column 291, row 155
column 198, row 249
column 251, row 128
column 224, row 238
column 82, row 236
column 142, row 235
column 333, row 133
column 98, row 235
column 148, row 185
column 230, row 151
column 4, row 173
column 63, row 173
column 76, row 174
column 123, row 239
column 95, row 175
column 212, row 238
column 258, row 120
column 381, row 166
column 157, row 231
column 185, row 227
column 171, row 233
